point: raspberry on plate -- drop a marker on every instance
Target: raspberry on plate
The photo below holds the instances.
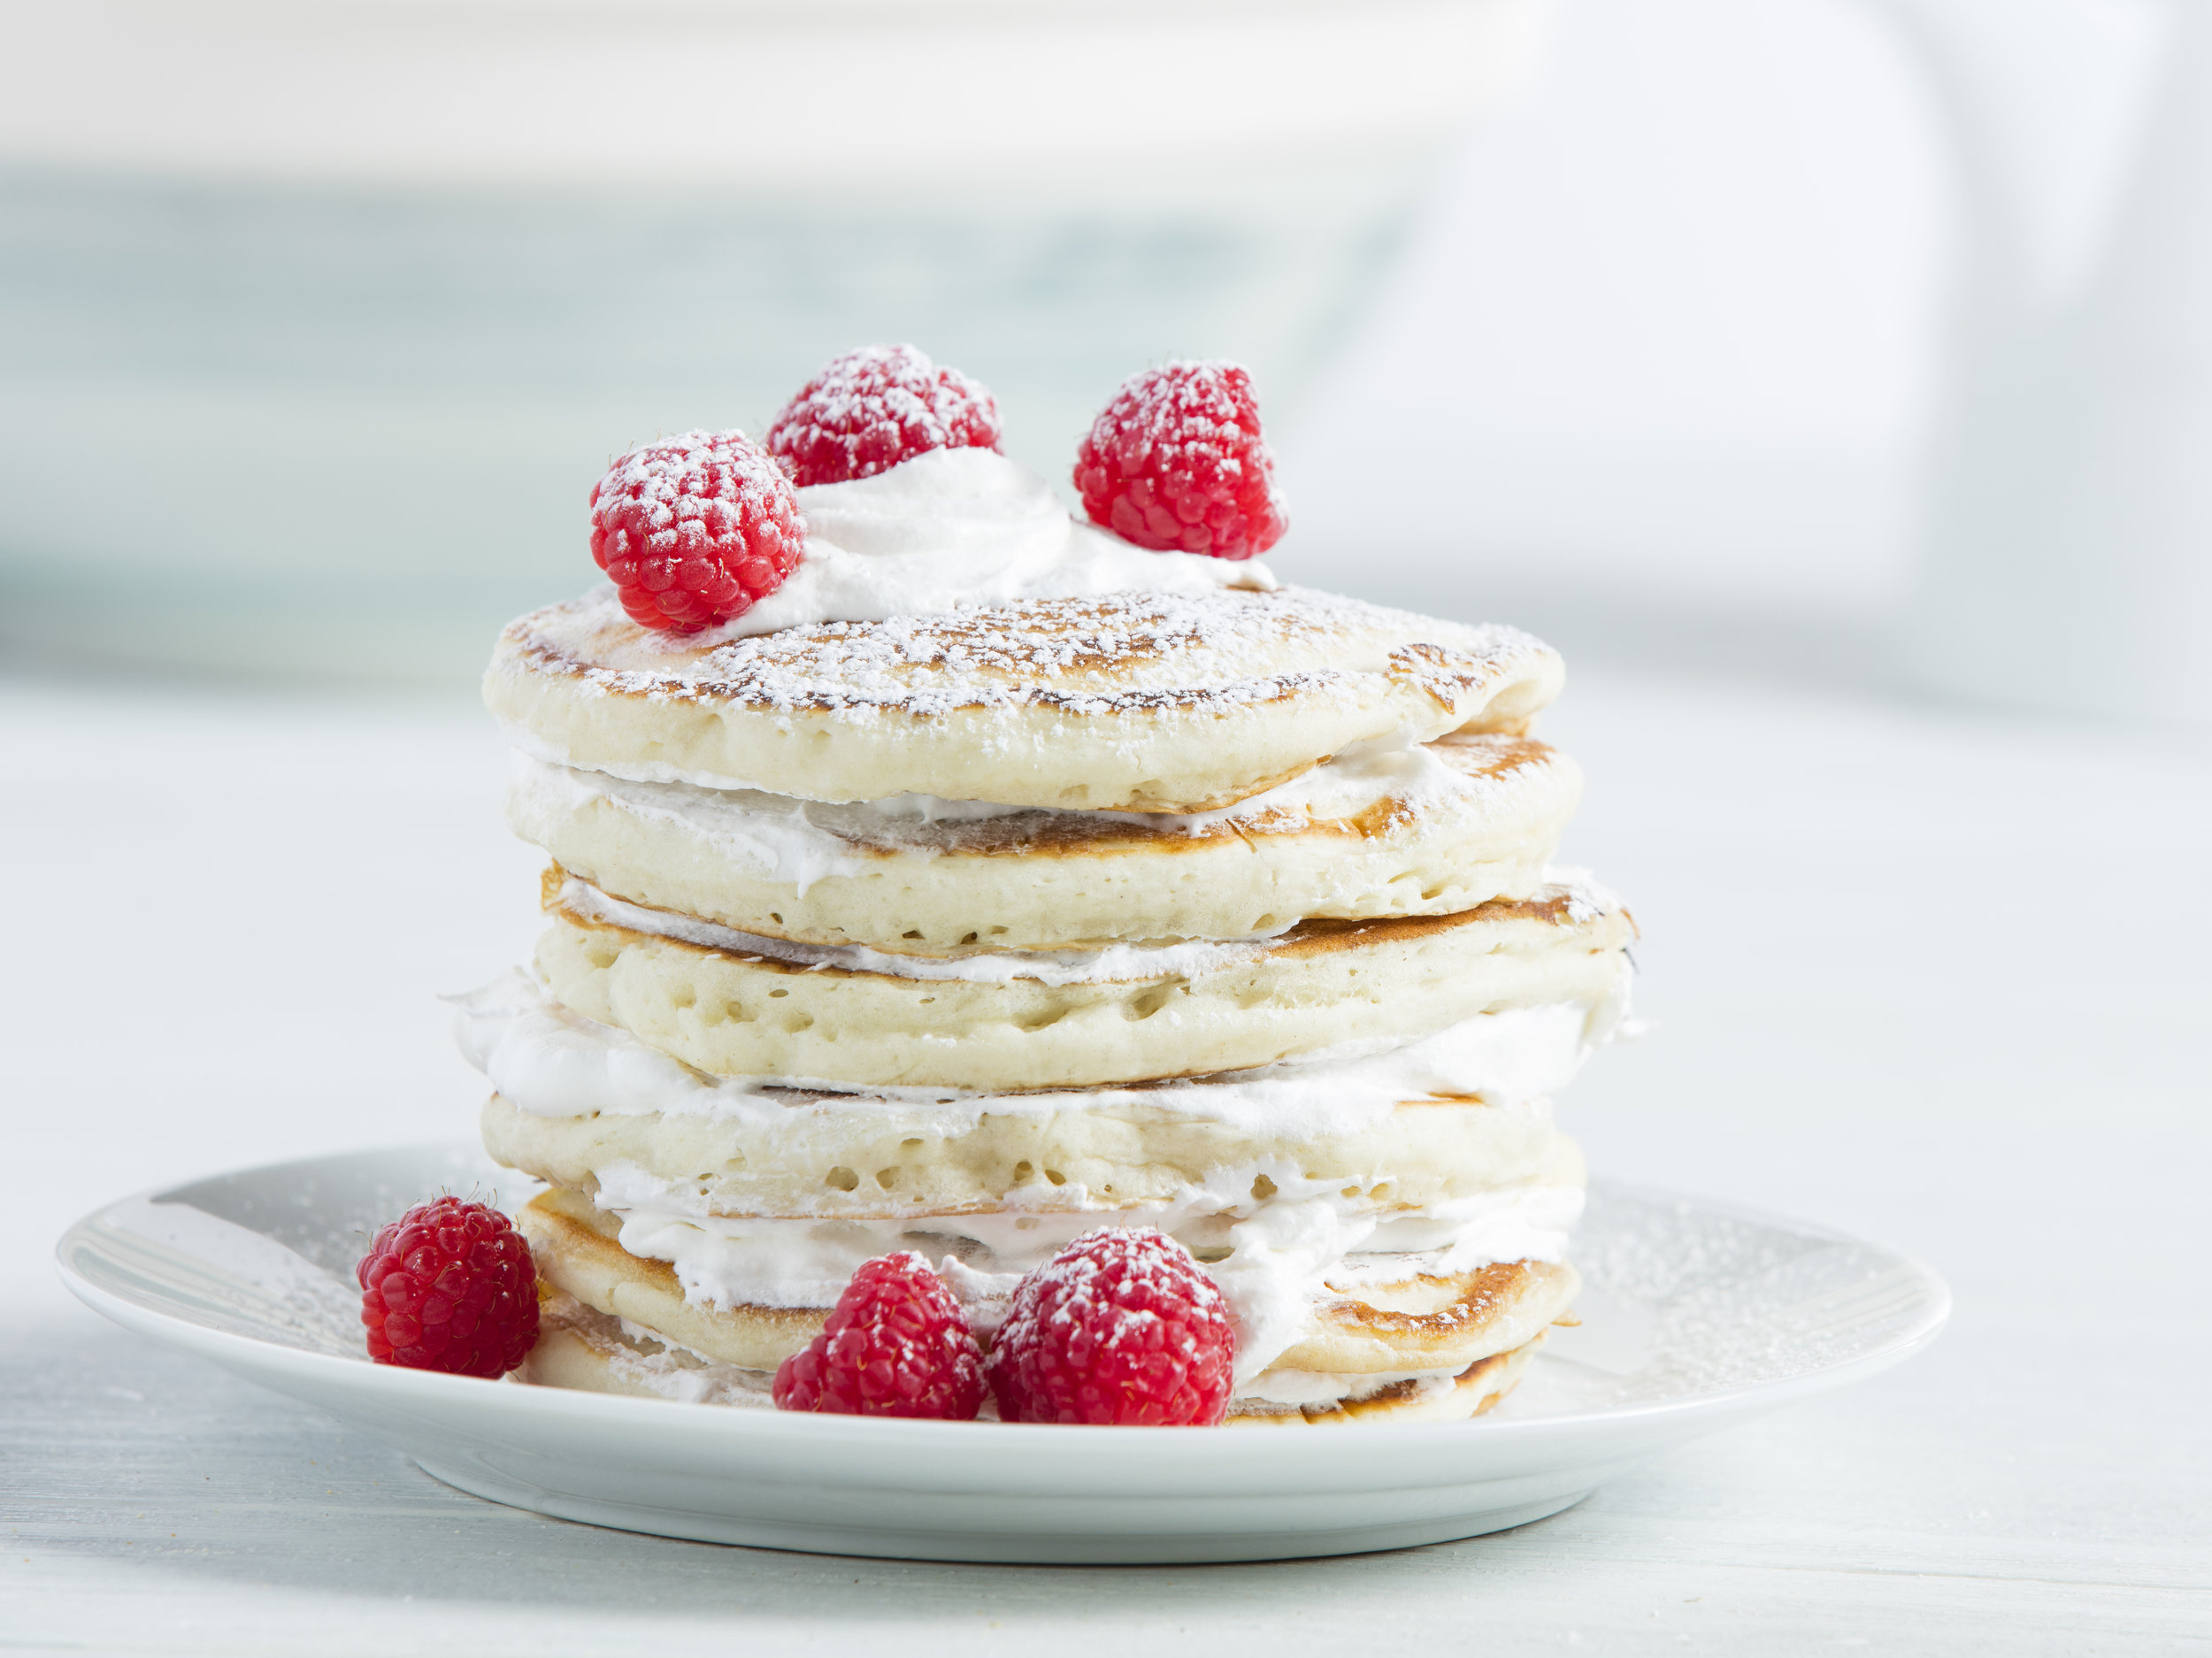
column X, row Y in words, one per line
column 868, row 409
column 1176, row 463
column 1121, row 1328
column 450, row 1285
column 896, row 1344
column 695, row 530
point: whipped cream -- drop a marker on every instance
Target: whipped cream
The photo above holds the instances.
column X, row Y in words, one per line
column 1271, row 1256
column 782, row 839
column 1330, row 1387
column 547, row 1060
column 803, row 841
column 953, row 529
column 1115, row 964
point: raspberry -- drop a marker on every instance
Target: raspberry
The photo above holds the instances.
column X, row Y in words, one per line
column 1119, row 1328
column 695, row 529
column 450, row 1285
column 868, row 409
column 896, row 1345
column 1176, row 463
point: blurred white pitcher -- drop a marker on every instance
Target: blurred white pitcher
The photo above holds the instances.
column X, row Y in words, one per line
column 2068, row 555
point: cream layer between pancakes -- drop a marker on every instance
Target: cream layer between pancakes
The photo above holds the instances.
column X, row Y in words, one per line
column 1273, row 1240
column 1393, row 827
column 801, row 841
column 549, row 1059
column 1112, row 963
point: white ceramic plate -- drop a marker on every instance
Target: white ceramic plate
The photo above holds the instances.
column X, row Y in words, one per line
column 1696, row 1317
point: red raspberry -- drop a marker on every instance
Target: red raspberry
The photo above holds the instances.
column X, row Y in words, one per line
column 896, row 1345
column 1120, row 1328
column 868, row 409
column 695, row 529
column 449, row 1286
column 1176, row 463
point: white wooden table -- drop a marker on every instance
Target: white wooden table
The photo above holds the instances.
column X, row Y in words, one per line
column 1940, row 979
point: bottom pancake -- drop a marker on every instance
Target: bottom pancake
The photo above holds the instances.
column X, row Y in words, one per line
column 593, row 1352
column 1370, row 1315
column 1472, row 1393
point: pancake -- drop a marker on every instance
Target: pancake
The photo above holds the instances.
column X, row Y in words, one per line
column 1411, row 831
column 1474, row 1392
column 854, row 1158
column 1433, row 1321
column 1122, row 1016
column 577, row 1254
column 580, row 1348
column 589, row 1351
column 1364, row 1319
column 1127, row 702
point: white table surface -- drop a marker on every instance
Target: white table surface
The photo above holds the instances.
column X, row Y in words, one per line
column 1937, row 978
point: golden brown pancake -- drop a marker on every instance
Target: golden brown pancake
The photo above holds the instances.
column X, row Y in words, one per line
column 1136, row 702
column 1433, row 831
column 1192, row 1010
column 846, row 1157
column 1474, row 1392
column 588, row 1351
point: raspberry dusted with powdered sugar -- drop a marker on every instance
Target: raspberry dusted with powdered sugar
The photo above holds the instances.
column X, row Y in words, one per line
column 1119, row 1329
column 1176, row 463
column 868, row 409
column 450, row 1285
column 896, row 1345
column 695, row 530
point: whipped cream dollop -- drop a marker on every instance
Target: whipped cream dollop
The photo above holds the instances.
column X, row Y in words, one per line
column 547, row 1060
column 952, row 529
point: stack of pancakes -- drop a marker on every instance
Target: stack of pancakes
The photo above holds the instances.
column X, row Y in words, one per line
column 1226, row 913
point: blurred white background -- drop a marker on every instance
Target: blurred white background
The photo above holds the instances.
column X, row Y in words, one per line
column 1869, row 339
column 1657, row 367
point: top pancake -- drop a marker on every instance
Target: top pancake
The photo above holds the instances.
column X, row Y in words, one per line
column 1130, row 702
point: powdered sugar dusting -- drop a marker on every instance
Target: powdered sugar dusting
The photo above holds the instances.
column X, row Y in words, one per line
column 1077, row 1286
column 868, row 409
column 1177, row 461
column 1204, row 653
column 695, row 529
column 1119, row 1327
column 1587, row 899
